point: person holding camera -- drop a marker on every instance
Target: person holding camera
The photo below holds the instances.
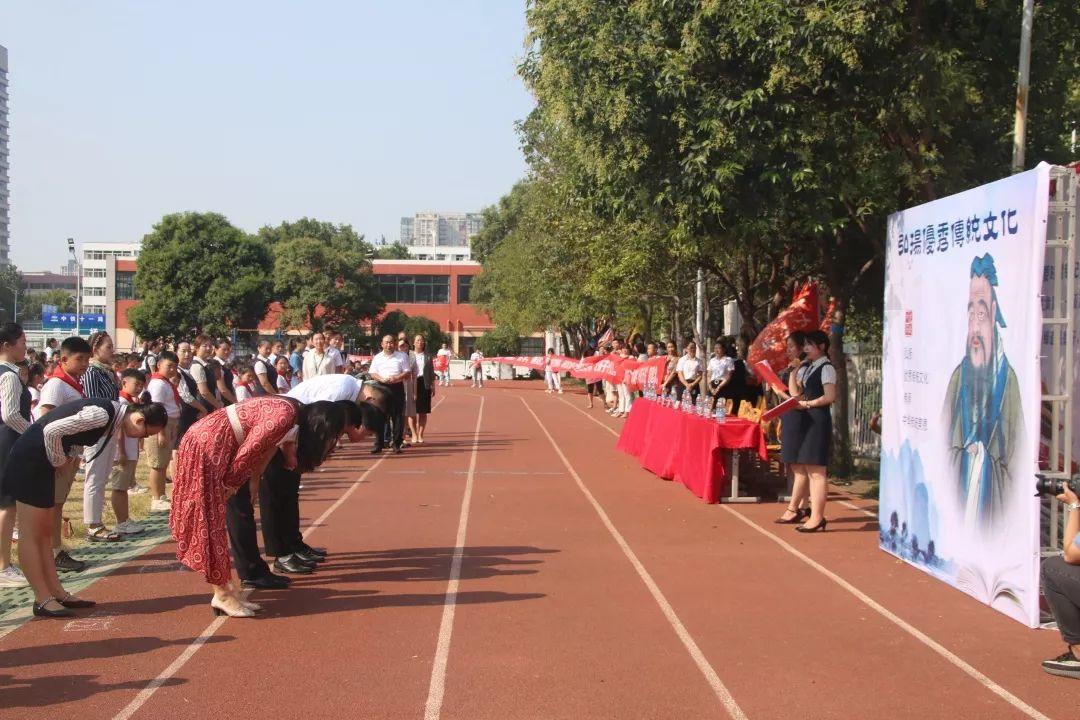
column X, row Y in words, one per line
column 1061, row 585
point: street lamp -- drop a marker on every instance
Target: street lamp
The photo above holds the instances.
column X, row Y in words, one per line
column 78, row 284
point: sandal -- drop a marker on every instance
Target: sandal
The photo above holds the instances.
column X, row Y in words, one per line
column 102, row 534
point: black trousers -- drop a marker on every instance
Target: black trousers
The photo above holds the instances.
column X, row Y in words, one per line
column 394, row 417
column 279, row 508
column 1061, row 585
column 240, row 520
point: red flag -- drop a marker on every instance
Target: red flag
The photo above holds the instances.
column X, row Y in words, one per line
column 771, row 343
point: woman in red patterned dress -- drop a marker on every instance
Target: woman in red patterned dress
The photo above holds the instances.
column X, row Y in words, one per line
column 220, row 453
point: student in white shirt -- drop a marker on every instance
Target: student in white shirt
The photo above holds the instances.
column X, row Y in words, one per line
column 689, row 371
column 62, row 387
column 337, row 351
column 265, row 375
column 285, row 379
column 721, row 367
column 442, row 364
column 476, row 368
column 552, row 379
column 159, row 448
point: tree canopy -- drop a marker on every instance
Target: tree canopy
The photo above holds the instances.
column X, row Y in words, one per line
column 760, row 142
column 322, row 274
column 199, row 273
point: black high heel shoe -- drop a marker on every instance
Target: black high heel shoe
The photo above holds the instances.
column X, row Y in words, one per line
column 796, row 518
column 41, row 611
column 800, row 515
column 820, row 527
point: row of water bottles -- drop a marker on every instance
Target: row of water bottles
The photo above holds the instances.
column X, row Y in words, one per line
column 671, row 399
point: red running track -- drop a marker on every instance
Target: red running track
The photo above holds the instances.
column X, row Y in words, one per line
column 583, row 588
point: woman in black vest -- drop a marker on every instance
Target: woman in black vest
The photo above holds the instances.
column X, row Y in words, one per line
column 791, row 433
column 50, row 443
column 14, row 420
column 817, row 383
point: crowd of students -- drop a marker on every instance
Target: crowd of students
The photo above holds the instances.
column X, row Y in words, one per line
column 234, row 432
column 725, row 373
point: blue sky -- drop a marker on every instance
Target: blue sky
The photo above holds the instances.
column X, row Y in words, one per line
column 353, row 112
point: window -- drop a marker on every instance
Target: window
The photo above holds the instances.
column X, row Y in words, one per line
column 125, row 286
column 433, row 289
column 94, row 291
column 464, row 286
column 93, row 309
column 531, row 346
column 95, row 272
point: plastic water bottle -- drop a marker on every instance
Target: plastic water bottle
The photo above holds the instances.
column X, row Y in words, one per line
column 721, row 411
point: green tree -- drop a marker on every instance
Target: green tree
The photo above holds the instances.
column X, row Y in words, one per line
column 769, row 140
column 501, row 341
column 391, row 323
column 11, row 295
column 420, row 325
column 30, row 304
column 199, row 273
column 393, row 251
column 322, row 275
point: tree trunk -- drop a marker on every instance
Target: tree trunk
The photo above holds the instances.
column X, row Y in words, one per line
column 842, row 463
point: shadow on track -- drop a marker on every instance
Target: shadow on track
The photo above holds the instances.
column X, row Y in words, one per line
column 93, row 649
column 50, row 690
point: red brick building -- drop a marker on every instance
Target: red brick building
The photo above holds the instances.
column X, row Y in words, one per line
column 437, row 290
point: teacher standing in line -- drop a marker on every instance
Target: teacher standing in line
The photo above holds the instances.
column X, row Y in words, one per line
column 391, row 369
column 424, row 368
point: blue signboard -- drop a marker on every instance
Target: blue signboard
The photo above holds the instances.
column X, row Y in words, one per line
column 66, row 322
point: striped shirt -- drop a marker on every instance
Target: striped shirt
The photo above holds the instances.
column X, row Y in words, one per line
column 99, row 381
column 53, row 433
column 10, row 394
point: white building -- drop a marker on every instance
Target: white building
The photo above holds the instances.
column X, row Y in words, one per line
column 95, row 282
column 443, row 237
column 5, row 207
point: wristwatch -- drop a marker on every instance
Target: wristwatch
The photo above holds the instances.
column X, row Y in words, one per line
column 1072, row 506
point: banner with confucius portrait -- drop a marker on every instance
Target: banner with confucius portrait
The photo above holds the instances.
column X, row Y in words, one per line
column 961, row 390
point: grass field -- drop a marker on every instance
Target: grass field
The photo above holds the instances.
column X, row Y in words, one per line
column 138, row 509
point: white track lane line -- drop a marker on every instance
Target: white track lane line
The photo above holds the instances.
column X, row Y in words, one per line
column 907, row 627
column 437, row 688
column 718, row 687
column 152, row 687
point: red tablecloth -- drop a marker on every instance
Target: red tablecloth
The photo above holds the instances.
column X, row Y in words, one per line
column 687, row 448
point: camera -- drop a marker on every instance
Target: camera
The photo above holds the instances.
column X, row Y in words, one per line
column 1045, row 486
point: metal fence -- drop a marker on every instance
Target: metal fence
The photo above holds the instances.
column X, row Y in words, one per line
column 864, row 399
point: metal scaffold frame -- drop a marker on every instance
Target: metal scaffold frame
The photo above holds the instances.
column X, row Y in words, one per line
column 1059, row 315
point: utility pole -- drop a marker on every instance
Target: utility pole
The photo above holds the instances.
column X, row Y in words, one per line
column 699, row 311
column 1020, row 128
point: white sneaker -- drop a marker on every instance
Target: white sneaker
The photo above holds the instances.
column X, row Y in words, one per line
column 160, row 504
column 11, row 576
column 138, row 490
column 128, row 527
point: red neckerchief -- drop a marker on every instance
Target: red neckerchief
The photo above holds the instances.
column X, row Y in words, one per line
column 130, row 398
column 63, row 377
column 175, row 392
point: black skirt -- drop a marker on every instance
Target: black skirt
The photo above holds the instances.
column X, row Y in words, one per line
column 30, row 478
column 791, row 434
column 423, row 397
column 816, row 437
column 7, row 439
